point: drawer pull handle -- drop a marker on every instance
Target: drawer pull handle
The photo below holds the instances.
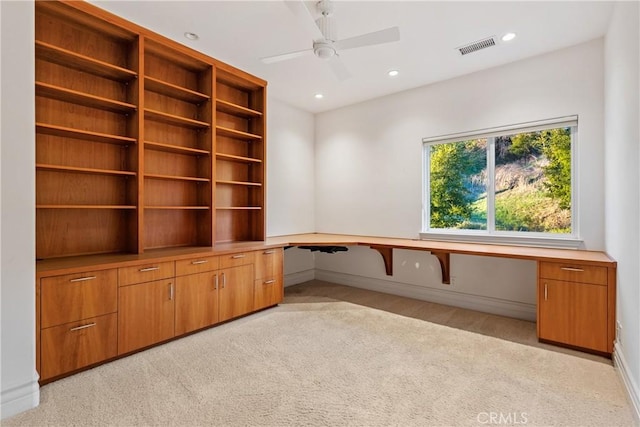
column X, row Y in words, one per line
column 224, row 281
column 268, row 282
column 215, row 282
column 545, row 292
column 204, row 261
column 269, row 252
column 143, row 270
column 238, row 256
column 571, row 269
column 83, row 279
column 170, row 291
column 77, row 328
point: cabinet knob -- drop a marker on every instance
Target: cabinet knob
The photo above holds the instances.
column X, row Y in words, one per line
column 269, row 252
column 268, row 282
column 545, row 291
column 571, row 269
column 170, row 291
column 143, row 270
column 215, row 282
column 238, row 256
column 224, row 281
column 204, row 261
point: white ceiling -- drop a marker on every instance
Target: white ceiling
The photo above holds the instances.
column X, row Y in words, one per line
column 241, row 32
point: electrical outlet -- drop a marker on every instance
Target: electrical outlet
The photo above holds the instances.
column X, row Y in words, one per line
column 618, row 332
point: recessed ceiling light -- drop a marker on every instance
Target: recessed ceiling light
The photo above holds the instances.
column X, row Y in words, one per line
column 393, row 73
column 508, row 37
column 319, row 96
column 191, row 36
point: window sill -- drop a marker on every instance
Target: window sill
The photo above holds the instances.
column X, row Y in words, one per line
column 496, row 239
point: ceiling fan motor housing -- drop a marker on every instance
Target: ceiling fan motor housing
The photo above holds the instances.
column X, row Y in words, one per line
column 323, row 50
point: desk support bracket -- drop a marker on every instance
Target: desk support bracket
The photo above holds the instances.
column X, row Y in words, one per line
column 443, row 257
column 387, row 257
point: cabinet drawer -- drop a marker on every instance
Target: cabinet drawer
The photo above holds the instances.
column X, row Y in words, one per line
column 75, row 345
column 573, row 273
column 268, row 263
column 267, row 293
column 77, row 296
column 196, row 265
column 233, row 260
column 146, row 272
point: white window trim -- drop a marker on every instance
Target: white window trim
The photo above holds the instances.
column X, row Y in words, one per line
column 491, row 236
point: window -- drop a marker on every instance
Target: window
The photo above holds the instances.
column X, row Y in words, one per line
column 510, row 182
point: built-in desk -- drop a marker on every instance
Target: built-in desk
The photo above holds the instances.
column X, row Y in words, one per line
column 576, row 288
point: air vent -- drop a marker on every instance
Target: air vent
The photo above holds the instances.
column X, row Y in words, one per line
column 476, row 46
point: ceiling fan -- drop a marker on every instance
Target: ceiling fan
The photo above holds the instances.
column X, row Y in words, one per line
column 322, row 32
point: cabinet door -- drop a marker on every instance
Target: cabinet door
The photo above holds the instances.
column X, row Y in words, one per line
column 267, row 292
column 236, row 292
column 78, row 296
column 75, row 345
column 145, row 314
column 269, row 263
column 196, row 301
column 573, row 313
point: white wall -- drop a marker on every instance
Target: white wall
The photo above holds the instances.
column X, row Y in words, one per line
column 290, row 170
column 290, row 183
column 622, row 179
column 17, row 365
column 369, row 165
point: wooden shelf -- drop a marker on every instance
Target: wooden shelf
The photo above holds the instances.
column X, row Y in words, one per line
column 178, row 207
column 174, row 91
column 85, row 206
column 74, row 60
column 238, row 110
column 238, row 208
column 174, row 120
column 237, row 134
column 169, row 148
column 66, row 132
column 57, row 168
column 161, row 50
column 248, row 184
column 239, row 159
column 68, row 95
column 175, row 177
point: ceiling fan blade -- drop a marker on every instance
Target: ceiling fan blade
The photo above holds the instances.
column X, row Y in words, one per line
column 339, row 69
column 305, row 18
column 377, row 37
column 286, row 56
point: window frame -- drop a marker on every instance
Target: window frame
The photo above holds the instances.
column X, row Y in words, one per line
column 491, row 235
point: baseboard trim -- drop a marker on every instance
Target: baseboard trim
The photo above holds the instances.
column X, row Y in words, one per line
column 629, row 383
column 20, row 398
column 299, row 277
column 484, row 304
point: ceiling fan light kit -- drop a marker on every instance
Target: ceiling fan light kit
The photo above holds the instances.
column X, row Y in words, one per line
column 323, row 32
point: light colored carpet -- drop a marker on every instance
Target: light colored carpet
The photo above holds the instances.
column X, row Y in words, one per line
column 336, row 363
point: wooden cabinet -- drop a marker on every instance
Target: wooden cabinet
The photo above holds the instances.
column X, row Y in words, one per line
column 78, row 321
column 145, row 314
column 236, row 292
column 74, row 345
column 240, row 156
column 268, row 285
column 86, row 114
column 196, row 301
column 141, row 142
column 142, row 145
column 178, row 145
column 574, row 306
